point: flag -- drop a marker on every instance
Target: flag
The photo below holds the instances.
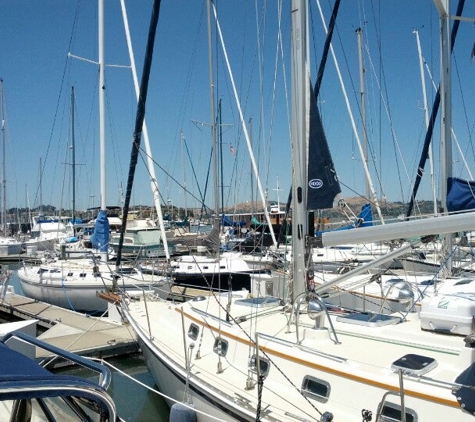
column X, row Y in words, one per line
column 231, row 148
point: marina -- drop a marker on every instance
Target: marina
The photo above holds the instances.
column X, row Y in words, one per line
column 191, row 294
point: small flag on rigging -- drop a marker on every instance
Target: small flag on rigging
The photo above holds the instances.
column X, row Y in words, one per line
column 231, row 148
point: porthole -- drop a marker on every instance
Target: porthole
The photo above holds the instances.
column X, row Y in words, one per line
column 220, row 346
column 316, row 388
column 193, row 331
column 264, row 365
column 391, row 412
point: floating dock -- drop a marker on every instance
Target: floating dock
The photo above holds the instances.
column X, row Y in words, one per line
column 72, row 331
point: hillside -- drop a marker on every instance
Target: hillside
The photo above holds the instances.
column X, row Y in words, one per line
column 388, row 209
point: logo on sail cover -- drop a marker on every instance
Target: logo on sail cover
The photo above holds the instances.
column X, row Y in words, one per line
column 315, row 183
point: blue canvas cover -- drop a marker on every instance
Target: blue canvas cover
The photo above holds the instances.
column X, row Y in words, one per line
column 364, row 219
column 226, row 222
column 460, row 194
column 19, row 375
column 100, row 237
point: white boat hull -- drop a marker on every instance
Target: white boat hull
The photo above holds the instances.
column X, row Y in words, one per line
column 10, row 249
column 76, row 288
column 188, row 368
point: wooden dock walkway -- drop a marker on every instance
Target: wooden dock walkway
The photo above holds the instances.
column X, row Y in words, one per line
column 72, row 331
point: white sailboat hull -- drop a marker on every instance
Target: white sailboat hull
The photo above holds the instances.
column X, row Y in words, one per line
column 225, row 387
column 75, row 286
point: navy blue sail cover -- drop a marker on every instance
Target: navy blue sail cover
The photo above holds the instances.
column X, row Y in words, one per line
column 460, row 194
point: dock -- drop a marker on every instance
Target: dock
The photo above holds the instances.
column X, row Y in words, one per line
column 72, row 331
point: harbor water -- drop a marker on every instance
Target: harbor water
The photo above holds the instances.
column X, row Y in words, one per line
column 134, row 401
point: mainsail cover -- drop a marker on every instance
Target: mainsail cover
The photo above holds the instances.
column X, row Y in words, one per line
column 364, row 219
column 323, row 186
column 227, row 222
column 100, row 237
column 460, row 194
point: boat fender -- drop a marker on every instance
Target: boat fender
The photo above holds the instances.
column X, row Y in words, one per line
column 326, row 417
column 180, row 412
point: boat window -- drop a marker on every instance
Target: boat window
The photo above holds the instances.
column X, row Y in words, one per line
column 259, row 302
column 264, row 365
column 316, row 388
column 392, row 413
column 369, row 319
column 463, row 282
column 222, row 267
column 414, row 364
column 193, row 331
column 220, row 346
column 42, row 270
column 55, row 270
column 394, row 280
column 126, row 270
column 205, row 267
column 70, row 274
column 82, row 275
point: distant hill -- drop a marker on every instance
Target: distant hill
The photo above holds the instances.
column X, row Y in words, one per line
column 388, row 209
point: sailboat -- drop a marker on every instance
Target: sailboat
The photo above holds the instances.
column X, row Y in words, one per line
column 75, row 283
column 9, row 246
column 235, row 357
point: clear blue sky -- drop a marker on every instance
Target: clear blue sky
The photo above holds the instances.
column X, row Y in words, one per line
column 36, row 37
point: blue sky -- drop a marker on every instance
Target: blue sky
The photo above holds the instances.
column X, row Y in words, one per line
column 36, row 37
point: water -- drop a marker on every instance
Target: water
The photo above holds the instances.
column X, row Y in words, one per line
column 134, row 402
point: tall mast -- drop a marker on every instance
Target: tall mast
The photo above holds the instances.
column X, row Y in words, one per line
column 4, row 184
column 213, row 121
column 299, row 137
column 73, row 152
column 102, row 125
column 251, row 173
column 363, row 105
column 150, row 164
column 184, row 172
column 446, row 113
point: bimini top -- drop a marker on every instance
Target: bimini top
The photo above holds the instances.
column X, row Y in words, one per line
column 24, row 379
